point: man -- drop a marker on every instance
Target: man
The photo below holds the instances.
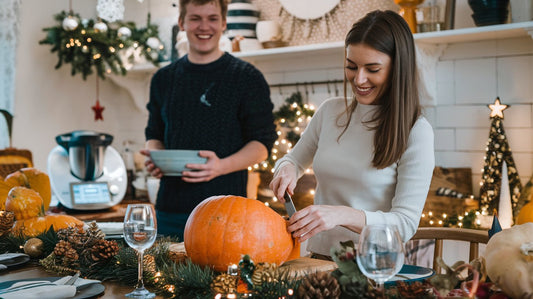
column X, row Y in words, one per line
column 209, row 101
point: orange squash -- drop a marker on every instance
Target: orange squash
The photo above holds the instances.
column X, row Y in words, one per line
column 35, row 226
column 25, row 203
column 34, row 179
column 221, row 229
column 526, row 213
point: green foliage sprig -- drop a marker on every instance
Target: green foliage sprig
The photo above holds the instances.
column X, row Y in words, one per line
column 88, row 49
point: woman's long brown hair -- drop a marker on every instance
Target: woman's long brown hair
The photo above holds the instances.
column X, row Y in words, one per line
column 387, row 32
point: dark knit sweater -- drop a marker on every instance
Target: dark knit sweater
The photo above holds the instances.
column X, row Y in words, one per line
column 219, row 106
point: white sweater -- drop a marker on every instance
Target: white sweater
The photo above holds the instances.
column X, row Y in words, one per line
column 345, row 175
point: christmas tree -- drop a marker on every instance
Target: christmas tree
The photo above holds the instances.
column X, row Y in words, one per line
column 291, row 120
column 497, row 154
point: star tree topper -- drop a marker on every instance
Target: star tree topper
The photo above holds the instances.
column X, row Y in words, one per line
column 496, row 109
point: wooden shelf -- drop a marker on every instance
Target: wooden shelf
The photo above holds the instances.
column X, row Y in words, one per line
column 438, row 37
column 138, row 78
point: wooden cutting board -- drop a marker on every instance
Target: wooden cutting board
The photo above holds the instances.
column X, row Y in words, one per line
column 306, row 265
column 298, row 267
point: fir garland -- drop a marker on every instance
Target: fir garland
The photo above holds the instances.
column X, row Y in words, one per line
column 87, row 48
column 188, row 280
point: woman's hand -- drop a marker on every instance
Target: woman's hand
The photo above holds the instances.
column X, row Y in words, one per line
column 204, row 172
column 284, row 180
column 314, row 219
column 150, row 166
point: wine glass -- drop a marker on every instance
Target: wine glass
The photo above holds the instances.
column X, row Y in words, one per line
column 380, row 253
column 140, row 230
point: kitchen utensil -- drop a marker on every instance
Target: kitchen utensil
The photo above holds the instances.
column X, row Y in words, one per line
column 289, row 204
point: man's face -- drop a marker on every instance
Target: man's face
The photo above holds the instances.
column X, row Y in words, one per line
column 204, row 25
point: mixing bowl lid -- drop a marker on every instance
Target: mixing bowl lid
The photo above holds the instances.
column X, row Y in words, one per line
column 83, row 138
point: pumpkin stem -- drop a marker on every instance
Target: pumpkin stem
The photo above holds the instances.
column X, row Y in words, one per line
column 527, row 251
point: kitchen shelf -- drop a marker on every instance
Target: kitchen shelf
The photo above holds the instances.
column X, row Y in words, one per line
column 137, row 80
column 492, row 32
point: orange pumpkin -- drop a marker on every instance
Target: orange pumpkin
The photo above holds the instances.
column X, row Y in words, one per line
column 221, row 229
column 34, row 179
column 35, row 226
column 526, row 213
column 25, row 203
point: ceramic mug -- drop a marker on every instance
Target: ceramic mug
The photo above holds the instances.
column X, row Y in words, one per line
column 268, row 31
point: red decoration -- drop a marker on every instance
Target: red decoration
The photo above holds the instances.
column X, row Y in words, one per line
column 98, row 111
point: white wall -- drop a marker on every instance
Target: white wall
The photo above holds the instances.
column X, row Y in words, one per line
column 470, row 75
column 50, row 102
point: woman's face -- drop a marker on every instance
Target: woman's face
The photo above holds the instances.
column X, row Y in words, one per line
column 368, row 71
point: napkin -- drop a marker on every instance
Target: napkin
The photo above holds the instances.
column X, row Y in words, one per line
column 50, row 291
column 111, row 228
column 7, row 259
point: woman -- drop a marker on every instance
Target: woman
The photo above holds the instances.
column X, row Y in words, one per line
column 372, row 154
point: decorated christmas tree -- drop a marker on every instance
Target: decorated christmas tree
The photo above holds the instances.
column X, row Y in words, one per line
column 291, row 120
column 495, row 184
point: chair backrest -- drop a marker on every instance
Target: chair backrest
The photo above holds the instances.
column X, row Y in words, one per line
column 13, row 159
column 439, row 234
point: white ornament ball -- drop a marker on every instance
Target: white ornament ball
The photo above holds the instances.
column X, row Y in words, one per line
column 85, row 22
column 70, row 23
column 124, row 32
column 100, row 26
column 153, row 43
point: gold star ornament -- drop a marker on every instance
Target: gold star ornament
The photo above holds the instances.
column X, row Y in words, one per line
column 496, row 109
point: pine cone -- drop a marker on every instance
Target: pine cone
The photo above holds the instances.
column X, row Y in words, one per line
column 265, row 272
column 71, row 257
column 224, row 284
column 6, row 222
column 319, row 285
column 104, row 250
column 149, row 264
column 94, row 232
column 49, row 263
column 415, row 289
column 65, row 233
column 61, row 248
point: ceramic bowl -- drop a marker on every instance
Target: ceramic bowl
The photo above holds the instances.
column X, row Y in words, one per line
column 172, row 162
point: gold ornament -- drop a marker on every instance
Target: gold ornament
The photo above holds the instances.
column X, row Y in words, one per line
column 34, row 247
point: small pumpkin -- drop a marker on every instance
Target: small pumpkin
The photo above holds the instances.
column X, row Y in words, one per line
column 35, row 226
column 221, row 229
column 25, row 203
column 526, row 213
column 509, row 260
column 34, row 179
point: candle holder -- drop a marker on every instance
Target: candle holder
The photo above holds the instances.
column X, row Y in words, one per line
column 408, row 12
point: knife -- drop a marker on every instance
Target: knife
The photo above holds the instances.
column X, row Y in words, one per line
column 289, row 204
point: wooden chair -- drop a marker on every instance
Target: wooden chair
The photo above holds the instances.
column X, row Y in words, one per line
column 439, row 234
column 13, row 159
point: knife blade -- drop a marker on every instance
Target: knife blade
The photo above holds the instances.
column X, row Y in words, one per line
column 289, row 204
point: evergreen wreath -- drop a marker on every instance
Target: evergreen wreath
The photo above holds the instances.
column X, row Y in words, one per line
column 87, row 47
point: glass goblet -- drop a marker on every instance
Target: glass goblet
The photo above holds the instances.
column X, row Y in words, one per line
column 380, row 253
column 140, row 231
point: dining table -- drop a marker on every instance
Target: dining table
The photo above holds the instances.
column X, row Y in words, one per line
column 32, row 270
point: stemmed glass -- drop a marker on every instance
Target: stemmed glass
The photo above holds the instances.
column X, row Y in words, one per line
column 140, row 231
column 380, row 253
